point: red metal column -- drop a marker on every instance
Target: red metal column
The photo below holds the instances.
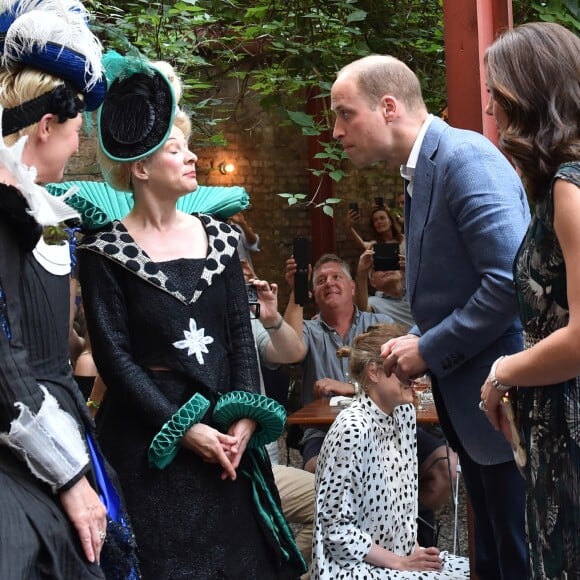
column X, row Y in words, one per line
column 322, row 226
column 469, row 28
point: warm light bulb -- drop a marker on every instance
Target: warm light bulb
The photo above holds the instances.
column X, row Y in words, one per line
column 226, row 168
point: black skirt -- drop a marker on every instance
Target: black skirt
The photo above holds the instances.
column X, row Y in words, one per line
column 188, row 523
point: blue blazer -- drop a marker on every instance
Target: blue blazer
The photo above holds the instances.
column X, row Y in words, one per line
column 464, row 224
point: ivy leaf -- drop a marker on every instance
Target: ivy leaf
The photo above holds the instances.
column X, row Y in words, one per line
column 301, row 119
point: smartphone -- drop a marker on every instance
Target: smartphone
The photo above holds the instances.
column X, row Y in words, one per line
column 301, row 253
column 253, row 301
column 380, row 201
column 353, row 206
column 386, row 256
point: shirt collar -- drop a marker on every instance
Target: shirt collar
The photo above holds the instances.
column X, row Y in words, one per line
column 408, row 170
column 357, row 314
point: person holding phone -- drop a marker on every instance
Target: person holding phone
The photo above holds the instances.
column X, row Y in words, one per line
column 382, row 266
column 383, row 224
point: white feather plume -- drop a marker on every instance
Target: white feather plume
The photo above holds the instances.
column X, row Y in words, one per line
column 60, row 22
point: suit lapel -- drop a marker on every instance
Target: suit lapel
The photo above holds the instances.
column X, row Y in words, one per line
column 417, row 211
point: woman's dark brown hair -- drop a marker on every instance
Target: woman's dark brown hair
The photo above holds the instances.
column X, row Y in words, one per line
column 533, row 73
column 395, row 227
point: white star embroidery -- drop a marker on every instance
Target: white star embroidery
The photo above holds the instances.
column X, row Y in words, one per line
column 195, row 341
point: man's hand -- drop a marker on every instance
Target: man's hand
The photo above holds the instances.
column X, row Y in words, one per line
column 365, row 262
column 328, row 387
column 268, row 298
column 291, row 268
column 402, row 357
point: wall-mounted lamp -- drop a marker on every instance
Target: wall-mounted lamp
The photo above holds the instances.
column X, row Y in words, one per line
column 226, row 168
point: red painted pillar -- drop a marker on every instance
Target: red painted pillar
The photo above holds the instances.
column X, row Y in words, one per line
column 469, row 28
column 320, row 188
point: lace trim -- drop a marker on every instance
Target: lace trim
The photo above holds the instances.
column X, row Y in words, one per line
column 49, row 442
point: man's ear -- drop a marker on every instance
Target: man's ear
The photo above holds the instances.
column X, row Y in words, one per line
column 389, row 104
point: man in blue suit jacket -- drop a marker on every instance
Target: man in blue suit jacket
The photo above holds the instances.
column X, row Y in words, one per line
column 465, row 216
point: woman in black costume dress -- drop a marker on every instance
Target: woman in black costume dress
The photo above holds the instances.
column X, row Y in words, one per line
column 168, row 317
column 53, row 523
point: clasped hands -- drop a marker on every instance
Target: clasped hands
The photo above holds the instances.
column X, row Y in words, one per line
column 226, row 449
column 402, row 357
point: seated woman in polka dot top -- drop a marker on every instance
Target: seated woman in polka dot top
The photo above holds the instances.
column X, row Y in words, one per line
column 366, row 480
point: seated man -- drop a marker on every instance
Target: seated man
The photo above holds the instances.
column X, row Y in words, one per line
column 324, row 374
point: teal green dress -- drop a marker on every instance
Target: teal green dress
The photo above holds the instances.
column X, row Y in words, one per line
column 549, row 416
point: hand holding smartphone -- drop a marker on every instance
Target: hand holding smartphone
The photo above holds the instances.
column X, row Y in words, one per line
column 386, row 256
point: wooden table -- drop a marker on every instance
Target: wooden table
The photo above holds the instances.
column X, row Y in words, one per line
column 320, row 413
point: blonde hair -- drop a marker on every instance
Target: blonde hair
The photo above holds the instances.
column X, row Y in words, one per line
column 366, row 349
column 118, row 173
column 20, row 86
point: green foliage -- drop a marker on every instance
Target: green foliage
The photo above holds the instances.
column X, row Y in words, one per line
column 280, row 53
column 565, row 12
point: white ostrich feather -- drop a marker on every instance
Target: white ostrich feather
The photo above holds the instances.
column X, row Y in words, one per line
column 63, row 23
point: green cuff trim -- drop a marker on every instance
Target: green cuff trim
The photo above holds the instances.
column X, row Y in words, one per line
column 269, row 414
column 165, row 444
